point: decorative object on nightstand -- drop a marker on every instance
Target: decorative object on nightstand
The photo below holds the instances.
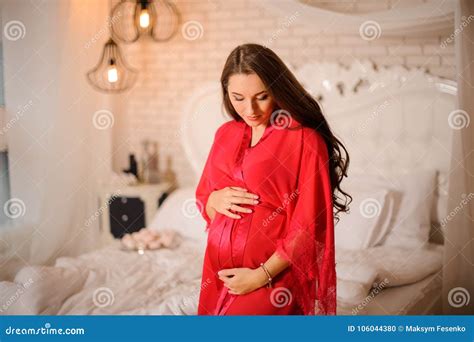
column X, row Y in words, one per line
column 130, row 207
column 149, row 168
column 168, row 174
column 133, row 167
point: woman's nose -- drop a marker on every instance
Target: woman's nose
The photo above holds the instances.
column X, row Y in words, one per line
column 250, row 109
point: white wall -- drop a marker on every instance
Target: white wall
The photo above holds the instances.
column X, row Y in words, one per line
column 170, row 71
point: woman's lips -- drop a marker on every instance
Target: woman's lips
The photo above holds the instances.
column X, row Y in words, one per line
column 253, row 118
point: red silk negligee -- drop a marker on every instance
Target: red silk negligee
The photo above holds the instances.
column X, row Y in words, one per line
column 288, row 169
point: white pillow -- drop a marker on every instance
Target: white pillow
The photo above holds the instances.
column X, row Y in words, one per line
column 410, row 226
column 358, row 273
column 354, row 282
column 397, row 266
column 351, row 293
column 394, row 266
column 368, row 220
column 180, row 213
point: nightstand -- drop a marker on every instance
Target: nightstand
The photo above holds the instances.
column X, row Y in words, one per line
column 127, row 209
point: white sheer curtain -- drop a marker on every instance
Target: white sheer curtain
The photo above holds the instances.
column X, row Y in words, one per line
column 56, row 153
column 458, row 275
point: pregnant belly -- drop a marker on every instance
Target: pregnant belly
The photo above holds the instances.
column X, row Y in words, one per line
column 245, row 242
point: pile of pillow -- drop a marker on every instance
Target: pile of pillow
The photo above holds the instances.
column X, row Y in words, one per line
column 393, row 210
column 384, row 237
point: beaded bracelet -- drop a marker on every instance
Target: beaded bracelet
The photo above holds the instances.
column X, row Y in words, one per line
column 269, row 284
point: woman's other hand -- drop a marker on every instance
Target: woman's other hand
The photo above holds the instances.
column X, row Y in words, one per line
column 240, row 281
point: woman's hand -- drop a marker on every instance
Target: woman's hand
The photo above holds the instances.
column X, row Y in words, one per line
column 240, row 281
column 228, row 199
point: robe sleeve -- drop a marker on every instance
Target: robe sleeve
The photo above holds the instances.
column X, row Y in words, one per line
column 309, row 240
column 204, row 187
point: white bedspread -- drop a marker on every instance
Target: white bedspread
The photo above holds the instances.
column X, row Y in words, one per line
column 109, row 281
column 166, row 282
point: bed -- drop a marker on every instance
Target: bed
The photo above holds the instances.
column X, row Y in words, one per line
column 383, row 267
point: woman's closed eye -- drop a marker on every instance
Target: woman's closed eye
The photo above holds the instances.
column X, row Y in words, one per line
column 261, row 98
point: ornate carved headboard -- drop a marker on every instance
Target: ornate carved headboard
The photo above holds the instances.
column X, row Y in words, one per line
column 390, row 118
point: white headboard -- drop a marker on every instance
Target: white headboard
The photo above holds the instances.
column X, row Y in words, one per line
column 390, row 118
column 203, row 114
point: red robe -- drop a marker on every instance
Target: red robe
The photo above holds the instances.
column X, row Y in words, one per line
column 288, row 169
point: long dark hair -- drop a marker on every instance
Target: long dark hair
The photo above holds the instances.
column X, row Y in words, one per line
column 290, row 96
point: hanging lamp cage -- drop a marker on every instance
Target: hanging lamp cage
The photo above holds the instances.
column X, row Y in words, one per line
column 112, row 74
column 133, row 19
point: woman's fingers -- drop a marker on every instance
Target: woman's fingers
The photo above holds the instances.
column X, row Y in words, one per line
column 243, row 194
column 235, row 195
column 238, row 188
column 225, row 281
column 227, row 272
column 231, row 215
column 229, row 287
column 243, row 200
column 235, row 207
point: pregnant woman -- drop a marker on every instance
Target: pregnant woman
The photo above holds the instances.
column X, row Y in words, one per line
column 267, row 193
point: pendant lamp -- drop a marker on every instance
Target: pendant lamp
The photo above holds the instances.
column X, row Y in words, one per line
column 133, row 19
column 112, row 74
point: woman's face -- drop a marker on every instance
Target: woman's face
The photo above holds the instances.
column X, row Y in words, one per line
column 250, row 99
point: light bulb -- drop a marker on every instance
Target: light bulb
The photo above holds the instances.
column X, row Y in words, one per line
column 144, row 18
column 112, row 74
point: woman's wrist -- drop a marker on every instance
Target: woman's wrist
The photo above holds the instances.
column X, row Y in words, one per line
column 261, row 277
